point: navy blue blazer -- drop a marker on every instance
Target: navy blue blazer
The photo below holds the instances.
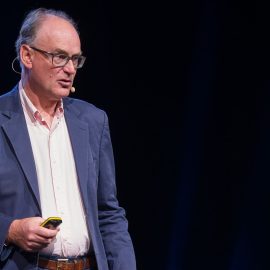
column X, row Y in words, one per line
column 19, row 194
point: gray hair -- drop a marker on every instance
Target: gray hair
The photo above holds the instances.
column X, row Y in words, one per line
column 32, row 22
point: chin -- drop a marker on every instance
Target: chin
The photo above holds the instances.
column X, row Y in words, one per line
column 63, row 92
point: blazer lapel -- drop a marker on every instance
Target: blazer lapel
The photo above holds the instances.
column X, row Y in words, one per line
column 16, row 131
column 79, row 136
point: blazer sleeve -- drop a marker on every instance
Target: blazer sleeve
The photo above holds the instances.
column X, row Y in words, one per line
column 112, row 217
column 5, row 250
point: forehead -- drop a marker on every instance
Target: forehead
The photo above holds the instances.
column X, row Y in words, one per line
column 57, row 33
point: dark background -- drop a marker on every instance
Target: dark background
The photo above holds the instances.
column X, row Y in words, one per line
column 186, row 88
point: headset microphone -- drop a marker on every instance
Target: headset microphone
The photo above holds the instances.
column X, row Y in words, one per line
column 72, row 89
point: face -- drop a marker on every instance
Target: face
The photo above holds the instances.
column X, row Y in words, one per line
column 55, row 35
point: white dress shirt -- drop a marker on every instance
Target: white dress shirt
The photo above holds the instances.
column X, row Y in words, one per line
column 57, row 179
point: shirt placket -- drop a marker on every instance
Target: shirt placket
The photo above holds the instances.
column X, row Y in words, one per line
column 58, row 184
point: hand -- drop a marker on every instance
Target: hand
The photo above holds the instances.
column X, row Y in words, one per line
column 29, row 235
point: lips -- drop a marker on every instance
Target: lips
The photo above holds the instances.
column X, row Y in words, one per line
column 65, row 83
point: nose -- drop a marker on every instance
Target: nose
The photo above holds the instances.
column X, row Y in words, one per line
column 69, row 67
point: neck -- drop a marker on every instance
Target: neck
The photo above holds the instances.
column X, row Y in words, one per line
column 45, row 106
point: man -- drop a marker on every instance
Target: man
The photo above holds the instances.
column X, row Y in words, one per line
column 56, row 160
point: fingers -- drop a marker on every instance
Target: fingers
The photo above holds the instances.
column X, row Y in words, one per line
column 46, row 233
column 35, row 245
column 35, row 242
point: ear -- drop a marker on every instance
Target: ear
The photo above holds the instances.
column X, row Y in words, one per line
column 26, row 56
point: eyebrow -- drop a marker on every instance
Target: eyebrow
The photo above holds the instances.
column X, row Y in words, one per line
column 60, row 51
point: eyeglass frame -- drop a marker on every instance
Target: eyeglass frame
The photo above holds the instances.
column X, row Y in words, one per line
column 67, row 57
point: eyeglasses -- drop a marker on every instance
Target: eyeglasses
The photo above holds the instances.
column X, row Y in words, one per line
column 61, row 59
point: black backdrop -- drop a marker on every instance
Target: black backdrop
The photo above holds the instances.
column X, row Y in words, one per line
column 186, row 89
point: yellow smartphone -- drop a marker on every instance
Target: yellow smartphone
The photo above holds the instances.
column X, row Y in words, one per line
column 51, row 222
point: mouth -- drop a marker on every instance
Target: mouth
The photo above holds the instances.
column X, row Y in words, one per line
column 65, row 83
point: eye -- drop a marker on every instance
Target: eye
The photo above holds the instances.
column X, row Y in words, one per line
column 76, row 57
column 61, row 56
